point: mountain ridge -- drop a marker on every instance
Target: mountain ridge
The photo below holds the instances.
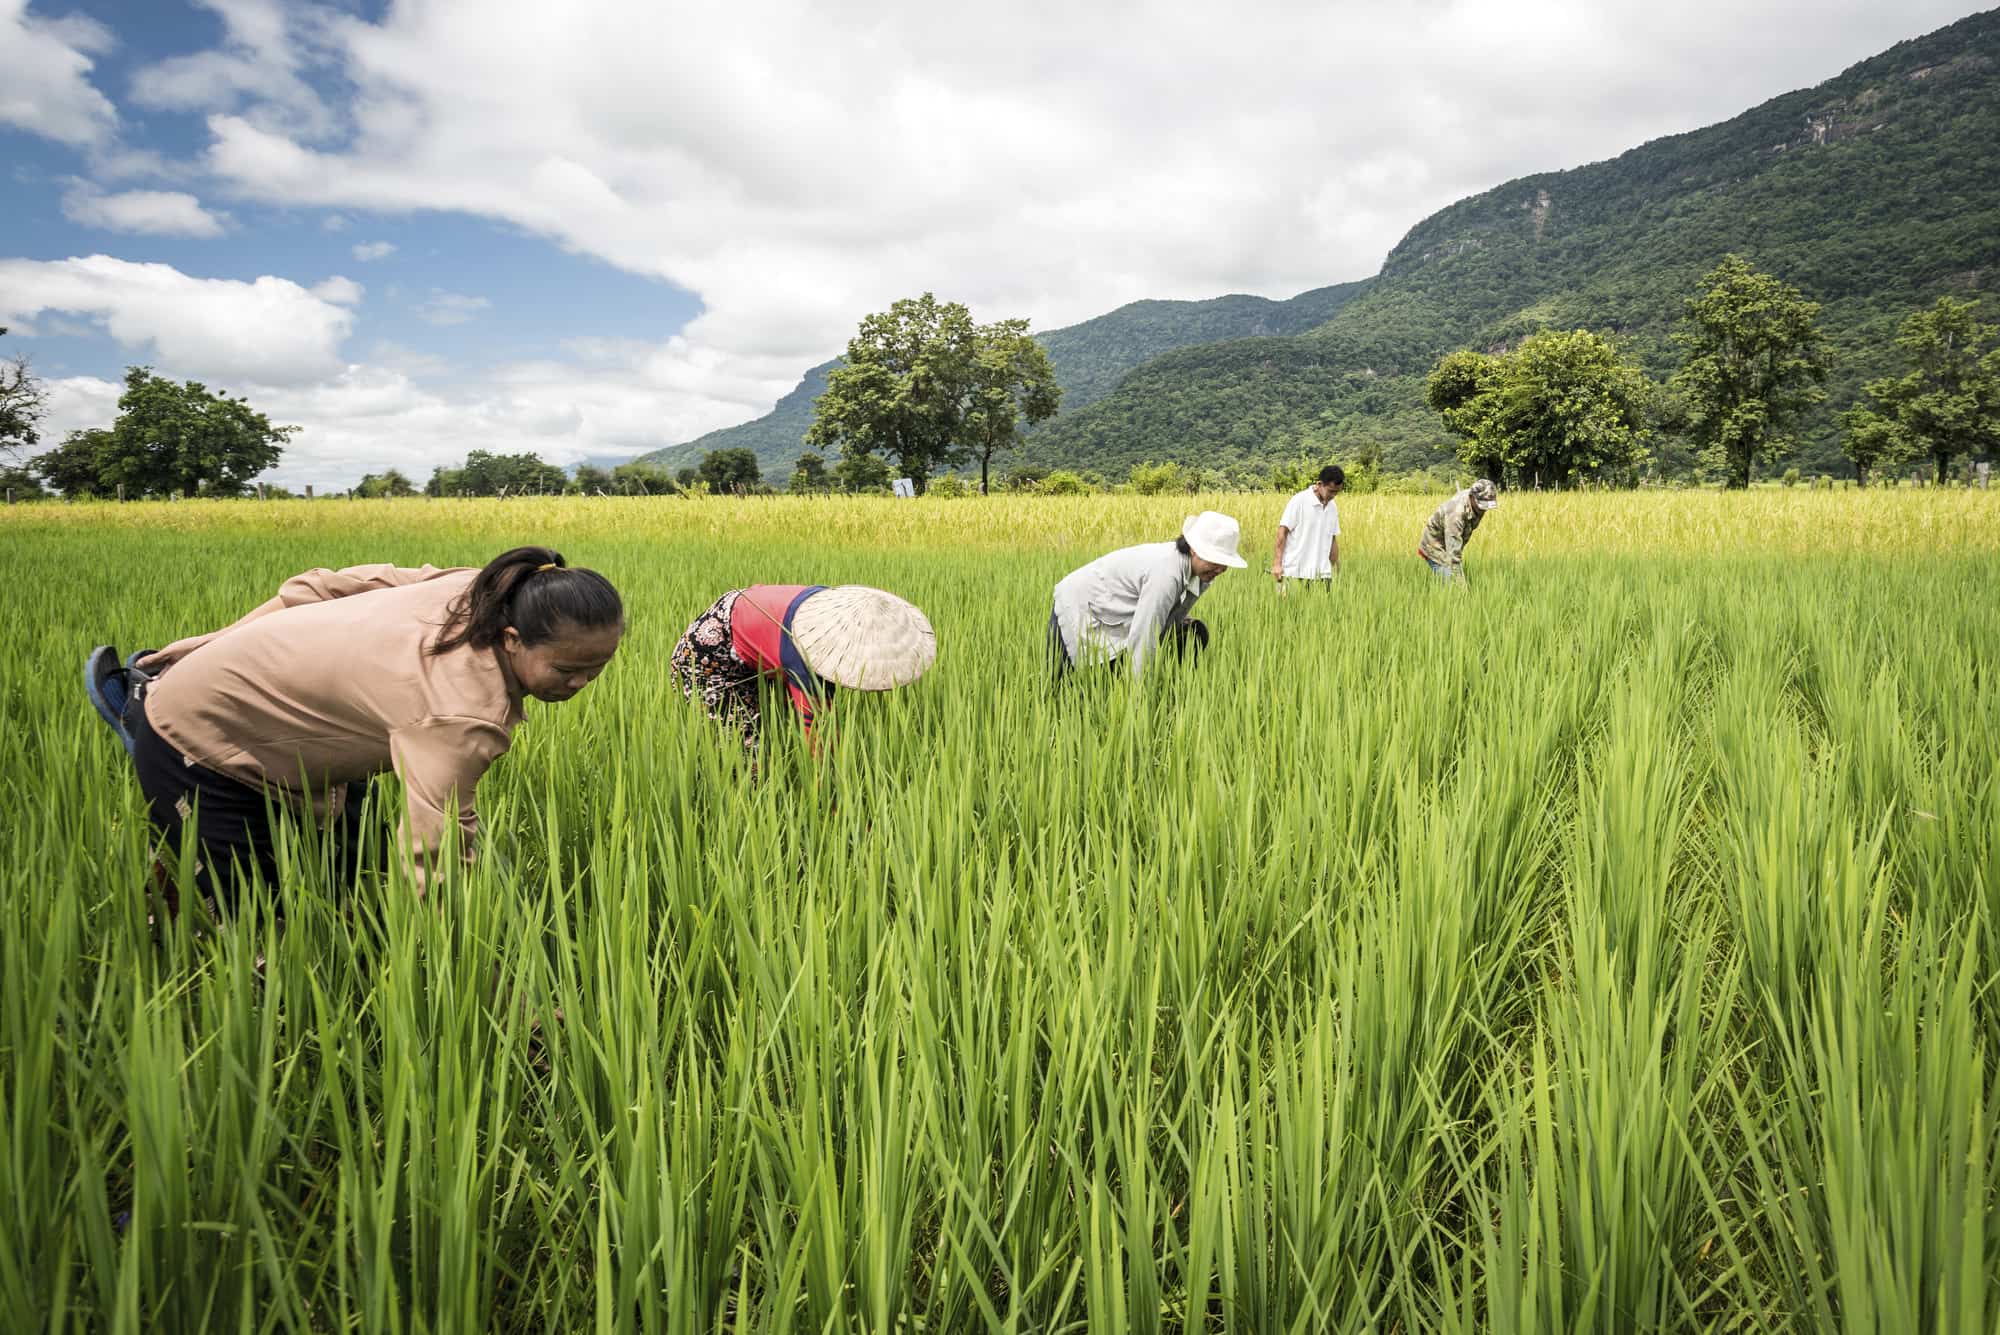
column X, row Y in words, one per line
column 1874, row 191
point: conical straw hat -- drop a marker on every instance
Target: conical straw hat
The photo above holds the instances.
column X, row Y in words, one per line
column 863, row 638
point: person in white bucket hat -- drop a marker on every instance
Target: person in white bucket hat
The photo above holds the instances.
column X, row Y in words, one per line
column 808, row 637
column 1125, row 603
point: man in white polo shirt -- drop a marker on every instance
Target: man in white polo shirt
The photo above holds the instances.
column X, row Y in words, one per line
column 1308, row 545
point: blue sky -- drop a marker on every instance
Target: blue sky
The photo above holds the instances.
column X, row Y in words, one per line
column 597, row 227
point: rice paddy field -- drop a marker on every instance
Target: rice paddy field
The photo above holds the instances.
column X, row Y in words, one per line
column 1608, row 945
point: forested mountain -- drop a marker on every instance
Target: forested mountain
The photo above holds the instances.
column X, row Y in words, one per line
column 1874, row 193
column 1090, row 359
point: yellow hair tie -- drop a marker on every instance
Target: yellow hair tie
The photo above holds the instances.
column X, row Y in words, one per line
column 546, row 565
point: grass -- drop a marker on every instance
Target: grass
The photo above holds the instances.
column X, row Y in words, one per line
column 1609, row 946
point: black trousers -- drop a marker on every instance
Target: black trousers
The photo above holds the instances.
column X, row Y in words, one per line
column 1179, row 637
column 229, row 821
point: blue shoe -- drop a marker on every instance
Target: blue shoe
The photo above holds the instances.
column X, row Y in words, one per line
column 109, row 689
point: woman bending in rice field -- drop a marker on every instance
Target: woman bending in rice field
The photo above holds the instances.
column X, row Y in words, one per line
column 808, row 637
column 341, row 676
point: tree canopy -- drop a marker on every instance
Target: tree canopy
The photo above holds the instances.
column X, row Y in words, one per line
column 22, row 401
column 725, row 471
column 390, row 483
column 1563, row 406
column 168, row 439
column 1756, row 361
column 1947, row 403
column 924, row 386
column 1011, row 384
column 488, row 474
column 901, row 391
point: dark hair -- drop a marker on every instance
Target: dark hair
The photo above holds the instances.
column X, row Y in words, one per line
column 1180, row 545
column 532, row 590
column 1333, row 475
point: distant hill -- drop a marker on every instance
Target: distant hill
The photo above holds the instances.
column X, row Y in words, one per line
column 1089, row 359
column 1874, row 192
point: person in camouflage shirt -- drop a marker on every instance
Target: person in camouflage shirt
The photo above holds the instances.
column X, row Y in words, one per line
column 1443, row 540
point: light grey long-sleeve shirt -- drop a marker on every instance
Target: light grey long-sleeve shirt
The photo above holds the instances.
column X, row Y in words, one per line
column 1119, row 603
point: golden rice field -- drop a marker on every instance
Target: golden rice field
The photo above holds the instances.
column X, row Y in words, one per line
column 1610, row 945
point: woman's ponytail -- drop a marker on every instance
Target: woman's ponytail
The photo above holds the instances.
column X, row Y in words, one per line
column 534, row 591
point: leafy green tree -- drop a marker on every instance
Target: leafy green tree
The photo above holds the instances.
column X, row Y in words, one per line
column 641, row 479
column 1755, row 363
column 902, row 389
column 445, row 482
column 1460, row 391
column 687, row 477
column 22, row 402
column 180, row 437
column 526, row 474
column 1012, row 381
column 377, row 486
column 1158, row 479
column 862, row 473
column 21, row 482
column 727, row 470
column 169, row 438
column 1948, row 403
column 1567, row 405
column 809, row 476
column 1563, row 405
column 1872, row 441
column 590, row 479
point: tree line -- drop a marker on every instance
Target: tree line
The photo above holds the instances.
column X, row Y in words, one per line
column 1565, row 406
column 169, row 439
column 924, row 391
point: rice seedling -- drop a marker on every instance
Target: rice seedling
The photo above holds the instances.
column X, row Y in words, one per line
column 1610, row 945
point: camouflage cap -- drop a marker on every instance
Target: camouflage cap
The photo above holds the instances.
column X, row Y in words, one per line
column 1484, row 495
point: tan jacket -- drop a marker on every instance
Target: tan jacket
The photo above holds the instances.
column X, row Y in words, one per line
column 333, row 681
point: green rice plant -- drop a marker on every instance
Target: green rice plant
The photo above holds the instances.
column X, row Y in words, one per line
column 1607, row 945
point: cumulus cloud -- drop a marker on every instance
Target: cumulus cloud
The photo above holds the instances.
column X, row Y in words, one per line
column 377, row 415
column 449, row 308
column 797, row 167
column 78, row 403
column 374, row 250
column 45, row 86
column 267, row 331
column 147, row 212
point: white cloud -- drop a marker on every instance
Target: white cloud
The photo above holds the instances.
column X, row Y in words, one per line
column 269, row 331
column 148, row 212
column 260, row 65
column 374, row 250
column 45, row 86
column 798, row 166
column 334, row 222
column 78, row 403
column 338, row 290
column 449, row 308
